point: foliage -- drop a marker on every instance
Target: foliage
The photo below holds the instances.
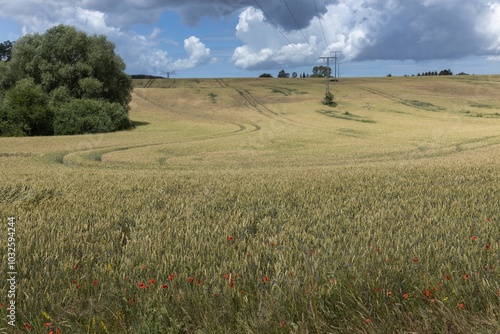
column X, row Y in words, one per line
column 321, row 72
column 266, row 75
column 6, row 51
column 65, row 64
column 89, row 116
column 283, row 74
column 329, row 98
column 26, row 111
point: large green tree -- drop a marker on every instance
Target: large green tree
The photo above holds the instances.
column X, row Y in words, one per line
column 65, row 65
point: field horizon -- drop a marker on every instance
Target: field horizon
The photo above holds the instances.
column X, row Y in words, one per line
column 247, row 205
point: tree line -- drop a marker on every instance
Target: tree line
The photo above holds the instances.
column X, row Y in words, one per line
column 62, row 82
column 317, row 72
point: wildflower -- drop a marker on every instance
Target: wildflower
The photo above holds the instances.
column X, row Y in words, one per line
column 461, row 306
column 27, row 326
column 75, row 267
column 191, row 280
column 227, row 276
column 446, row 298
column 152, row 281
column 389, row 293
column 282, row 324
column 415, row 259
column 127, row 278
column 78, row 286
column 265, row 279
column 406, row 296
column 448, row 277
column 427, row 293
column 215, row 295
column 230, row 238
column 272, row 243
column 171, row 277
column 164, row 286
column 466, row 276
column 368, row 321
column 231, row 283
column 487, row 247
column 474, row 237
column 141, row 285
column 144, row 267
column 47, row 324
column 96, row 283
column 199, row 281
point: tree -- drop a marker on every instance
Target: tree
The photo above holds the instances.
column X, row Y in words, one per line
column 321, row 71
column 65, row 65
column 265, row 75
column 294, row 75
column 283, row 74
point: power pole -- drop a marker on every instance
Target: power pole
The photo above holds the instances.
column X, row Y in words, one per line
column 335, row 57
column 328, row 73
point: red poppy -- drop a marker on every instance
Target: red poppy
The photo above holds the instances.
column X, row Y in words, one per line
column 415, row 259
column 27, row 326
column 75, row 267
column 282, row 324
column 448, row 277
column 487, row 247
column 74, row 281
column 164, row 286
column 389, row 293
column 47, row 324
column 406, row 296
column 171, row 277
column 461, row 305
column 199, row 281
column 474, row 237
column 141, row 285
column 368, row 321
column 272, row 243
column 152, row 281
column 191, row 280
column 230, row 238
column 96, row 283
column 427, row 293
column 264, row 279
column 144, row 267
column 78, row 286
column 127, row 278
column 231, row 283
column 466, row 276
column 227, row 276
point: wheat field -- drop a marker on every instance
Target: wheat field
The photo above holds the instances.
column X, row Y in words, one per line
column 249, row 206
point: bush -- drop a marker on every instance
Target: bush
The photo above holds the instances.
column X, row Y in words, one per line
column 26, row 110
column 89, row 116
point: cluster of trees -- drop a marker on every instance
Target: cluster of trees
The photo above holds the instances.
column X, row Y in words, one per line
column 62, row 82
column 433, row 73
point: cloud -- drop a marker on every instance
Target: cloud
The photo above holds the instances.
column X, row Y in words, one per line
column 370, row 30
column 198, row 53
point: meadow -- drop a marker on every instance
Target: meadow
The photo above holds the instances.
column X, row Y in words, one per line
column 249, row 206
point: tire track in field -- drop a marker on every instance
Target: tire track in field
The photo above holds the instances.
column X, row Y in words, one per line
column 96, row 154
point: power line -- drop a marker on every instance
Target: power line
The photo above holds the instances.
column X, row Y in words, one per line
column 297, row 24
column 282, row 34
column 321, row 25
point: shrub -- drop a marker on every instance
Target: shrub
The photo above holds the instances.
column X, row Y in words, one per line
column 89, row 116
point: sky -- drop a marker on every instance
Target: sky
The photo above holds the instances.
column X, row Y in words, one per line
column 245, row 38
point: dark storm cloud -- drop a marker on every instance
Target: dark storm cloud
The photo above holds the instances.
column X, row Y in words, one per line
column 422, row 32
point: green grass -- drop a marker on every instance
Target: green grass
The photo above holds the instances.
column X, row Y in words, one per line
column 263, row 212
